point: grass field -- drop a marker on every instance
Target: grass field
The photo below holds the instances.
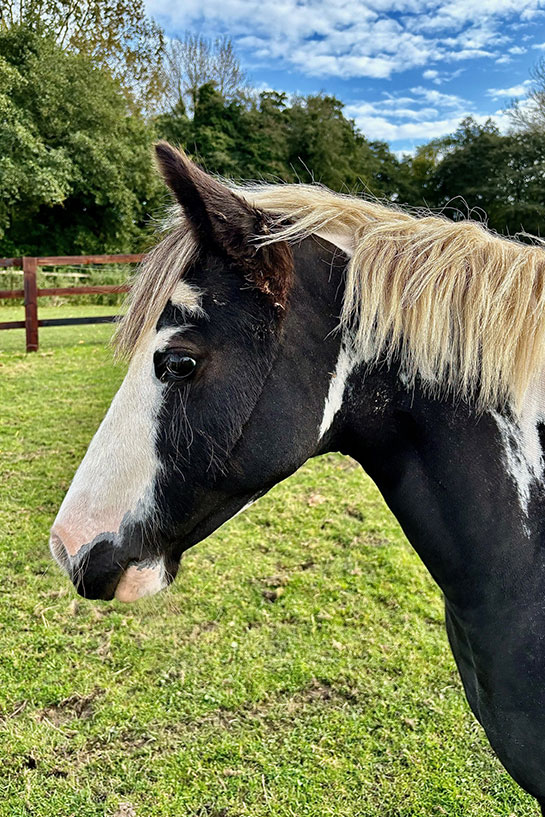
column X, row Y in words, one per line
column 298, row 667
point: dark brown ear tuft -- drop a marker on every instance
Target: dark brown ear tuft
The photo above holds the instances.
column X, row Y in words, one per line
column 225, row 222
column 271, row 271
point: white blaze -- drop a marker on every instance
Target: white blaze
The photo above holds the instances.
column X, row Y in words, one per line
column 118, row 473
column 346, row 360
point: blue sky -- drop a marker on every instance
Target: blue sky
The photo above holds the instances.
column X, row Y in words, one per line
column 406, row 70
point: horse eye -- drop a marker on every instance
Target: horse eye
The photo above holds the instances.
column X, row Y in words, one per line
column 178, row 367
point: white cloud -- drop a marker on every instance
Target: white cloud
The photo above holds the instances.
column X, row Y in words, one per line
column 423, row 115
column 440, row 77
column 515, row 90
column 355, row 38
column 375, row 39
column 377, row 126
column 438, row 98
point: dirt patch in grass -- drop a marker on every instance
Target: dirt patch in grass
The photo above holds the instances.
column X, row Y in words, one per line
column 76, row 706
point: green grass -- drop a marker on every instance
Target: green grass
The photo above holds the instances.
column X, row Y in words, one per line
column 298, row 666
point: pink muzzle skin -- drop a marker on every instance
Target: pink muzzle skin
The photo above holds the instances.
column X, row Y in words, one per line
column 80, row 559
column 142, row 580
column 76, row 527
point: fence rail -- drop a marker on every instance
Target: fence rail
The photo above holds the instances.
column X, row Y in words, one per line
column 31, row 292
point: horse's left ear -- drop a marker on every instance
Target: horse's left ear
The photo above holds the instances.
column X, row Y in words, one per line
column 218, row 216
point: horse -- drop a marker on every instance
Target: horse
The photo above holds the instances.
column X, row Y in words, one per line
column 274, row 323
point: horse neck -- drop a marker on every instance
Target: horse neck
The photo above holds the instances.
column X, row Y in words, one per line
column 467, row 489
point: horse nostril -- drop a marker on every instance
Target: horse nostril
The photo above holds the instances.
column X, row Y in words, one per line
column 97, row 575
column 58, row 551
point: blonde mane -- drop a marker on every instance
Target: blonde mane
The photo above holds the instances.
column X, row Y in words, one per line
column 460, row 308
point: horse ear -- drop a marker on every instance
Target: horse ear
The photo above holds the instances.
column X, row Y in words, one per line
column 220, row 217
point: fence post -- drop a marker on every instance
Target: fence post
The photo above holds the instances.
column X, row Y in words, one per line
column 30, row 267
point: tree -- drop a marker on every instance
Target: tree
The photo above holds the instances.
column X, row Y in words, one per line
column 265, row 138
column 195, row 61
column 75, row 169
column 465, row 178
column 420, row 173
column 116, row 34
column 493, row 177
column 529, row 113
column 325, row 146
column 214, row 132
column 174, row 126
column 387, row 176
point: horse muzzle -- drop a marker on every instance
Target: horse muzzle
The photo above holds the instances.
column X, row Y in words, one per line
column 114, row 566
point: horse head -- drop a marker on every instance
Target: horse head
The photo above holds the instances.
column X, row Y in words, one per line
column 224, row 395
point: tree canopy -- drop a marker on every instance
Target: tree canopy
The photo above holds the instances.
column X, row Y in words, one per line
column 75, row 170
column 496, row 178
column 115, row 34
column 83, row 96
column 309, row 140
column 191, row 62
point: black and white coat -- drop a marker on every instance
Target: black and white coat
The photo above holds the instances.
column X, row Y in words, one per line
column 241, row 380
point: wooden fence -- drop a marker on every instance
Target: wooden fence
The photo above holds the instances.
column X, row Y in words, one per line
column 31, row 292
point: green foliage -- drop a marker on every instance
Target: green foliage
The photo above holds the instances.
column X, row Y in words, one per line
column 75, row 169
column 309, row 140
column 115, row 34
column 214, row 131
column 492, row 177
column 75, row 160
column 175, row 126
column 470, row 159
column 420, row 170
column 323, row 145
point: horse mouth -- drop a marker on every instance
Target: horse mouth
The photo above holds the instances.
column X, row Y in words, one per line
column 104, row 570
column 141, row 579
